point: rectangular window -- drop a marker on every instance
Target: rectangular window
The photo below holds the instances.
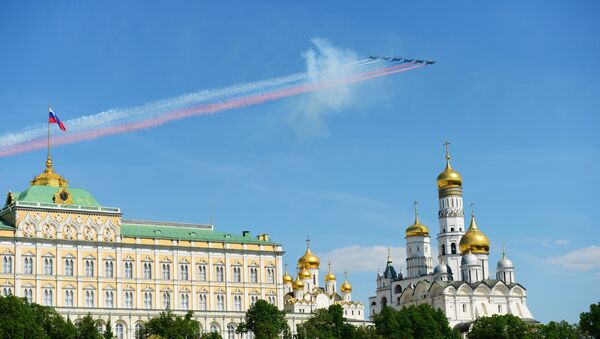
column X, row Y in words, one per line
column 237, row 274
column 271, row 275
column 128, row 299
column 219, row 273
column 202, row 273
column 202, row 302
column 109, row 299
column 166, row 299
column 89, row 268
column 68, row 298
column 89, row 298
column 166, row 271
column 147, row 270
column 28, row 265
column 48, row 266
column 28, row 294
column 183, row 272
column 185, row 301
column 7, row 262
column 69, row 271
column 48, row 297
column 148, row 300
column 253, row 275
column 108, row 269
column 237, row 303
column 220, row 302
column 128, row 269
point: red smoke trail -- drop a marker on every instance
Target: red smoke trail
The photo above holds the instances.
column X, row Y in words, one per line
column 207, row 109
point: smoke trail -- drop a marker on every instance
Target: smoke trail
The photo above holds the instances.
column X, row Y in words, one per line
column 147, row 111
column 210, row 108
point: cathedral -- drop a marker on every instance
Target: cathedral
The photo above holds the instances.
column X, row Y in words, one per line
column 460, row 284
column 304, row 295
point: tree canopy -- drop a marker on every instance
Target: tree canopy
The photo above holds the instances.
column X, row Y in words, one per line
column 326, row 324
column 265, row 320
column 169, row 326
column 589, row 322
column 414, row 322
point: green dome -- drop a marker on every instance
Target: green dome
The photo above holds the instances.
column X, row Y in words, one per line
column 45, row 194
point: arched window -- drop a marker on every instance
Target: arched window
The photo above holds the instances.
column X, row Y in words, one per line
column 214, row 328
column 202, row 273
column 138, row 329
column 443, row 249
column 202, row 301
column 398, row 289
column 237, row 274
column 383, row 302
column 119, row 331
column 166, row 300
column 253, row 275
column 453, row 248
column 271, row 275
column 231, row 331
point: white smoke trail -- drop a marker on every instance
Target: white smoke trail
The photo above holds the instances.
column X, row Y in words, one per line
column 147, row 111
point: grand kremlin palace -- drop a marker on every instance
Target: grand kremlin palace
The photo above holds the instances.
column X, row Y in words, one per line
column 59, row 247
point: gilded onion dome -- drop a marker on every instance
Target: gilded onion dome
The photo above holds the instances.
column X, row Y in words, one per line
column 346, row 287
column 417, row 229
column 287, row 278
column 329, row 276
column 449, row 177
column 298, row 284
column 474, row 241
column 304, row 274
column 308, row 260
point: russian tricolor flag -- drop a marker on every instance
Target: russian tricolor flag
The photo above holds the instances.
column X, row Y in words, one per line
column 53, row 119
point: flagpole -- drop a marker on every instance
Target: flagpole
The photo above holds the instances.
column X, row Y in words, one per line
column 48, row 134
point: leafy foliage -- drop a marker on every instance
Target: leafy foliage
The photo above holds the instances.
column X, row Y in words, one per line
column 169, row 326
column 211, row 335
column 21, row 319
column 265, row 320
column 108, row 334
column 326, row 324
column 589, row 322
column 414, row 322
column 505, row 326
column 556, row 330
column 87, row 328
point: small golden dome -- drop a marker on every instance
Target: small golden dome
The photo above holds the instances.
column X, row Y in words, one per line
column 308, row 260
column 49, row 177
column 287, row 278
column 329, row 276
column 474, row 241
column 304, row 274
column 298, row 284
column 417, row 229
column 346, row 287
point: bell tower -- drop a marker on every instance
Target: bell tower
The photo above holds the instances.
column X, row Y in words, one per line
column 451, row 217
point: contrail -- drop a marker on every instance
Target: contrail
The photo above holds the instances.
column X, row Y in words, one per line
column 200, row 103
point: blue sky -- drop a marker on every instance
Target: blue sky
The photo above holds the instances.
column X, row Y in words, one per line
column 515, row 89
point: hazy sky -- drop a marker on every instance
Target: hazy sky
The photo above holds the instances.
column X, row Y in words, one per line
column 516, row 90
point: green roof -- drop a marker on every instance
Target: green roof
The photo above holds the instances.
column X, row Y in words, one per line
column 45, row 194
column 156, row 231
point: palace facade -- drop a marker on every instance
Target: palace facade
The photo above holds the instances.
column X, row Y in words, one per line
column 60, row 247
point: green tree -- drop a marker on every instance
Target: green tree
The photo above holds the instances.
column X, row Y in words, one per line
column 211, row 335
column 21, row 319
column 265, row 320
column 557, row 330
column 326, row 324
column 414, row 322
column 169, row 326
column 589, row 322
column 87, row 328
column 108, row 333
column 505, row 326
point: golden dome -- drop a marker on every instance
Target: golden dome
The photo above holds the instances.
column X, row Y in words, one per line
column 304, row 274
column 308, row 260
column 287, row 278
column 346, row 287
column 298, row 284
column 449, row 177
column 329, row 276
column 49, row 177
column 474, row 241
column 417, row 229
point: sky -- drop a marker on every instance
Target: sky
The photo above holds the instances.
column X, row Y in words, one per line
column 515, row 90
